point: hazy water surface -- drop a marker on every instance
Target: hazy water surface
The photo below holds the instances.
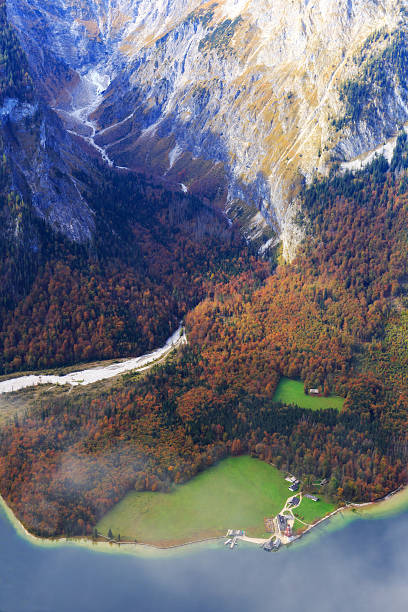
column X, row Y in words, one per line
column 363, row 567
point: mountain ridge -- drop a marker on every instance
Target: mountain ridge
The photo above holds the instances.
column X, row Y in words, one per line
column 240, row 102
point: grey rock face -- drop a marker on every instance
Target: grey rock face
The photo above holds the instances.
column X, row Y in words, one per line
column 234, row 99
column 40, row 155
column 39, row 152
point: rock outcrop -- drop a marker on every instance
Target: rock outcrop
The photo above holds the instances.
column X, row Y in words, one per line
column 237, row 101
column 38, row 153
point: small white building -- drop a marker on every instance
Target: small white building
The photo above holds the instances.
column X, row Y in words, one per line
column 314, row 391
column 312, row 497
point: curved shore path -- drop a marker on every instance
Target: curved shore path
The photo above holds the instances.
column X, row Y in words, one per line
column 92, row 375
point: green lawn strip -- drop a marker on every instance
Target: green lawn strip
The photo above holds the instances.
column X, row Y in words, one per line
column 292, row 392
column 298, row 527
column 309, row 511
column 237, row 493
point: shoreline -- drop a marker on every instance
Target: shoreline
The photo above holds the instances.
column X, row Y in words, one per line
column 105, row 545
column 394, row 503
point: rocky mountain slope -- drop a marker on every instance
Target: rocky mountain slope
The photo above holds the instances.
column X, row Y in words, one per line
column 37, row 164
column 38, row 158
column 238, row 101
column 94, row 263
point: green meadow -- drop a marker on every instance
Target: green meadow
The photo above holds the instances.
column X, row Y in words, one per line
column 309, row 511
column 237, row 493
column 291, row 392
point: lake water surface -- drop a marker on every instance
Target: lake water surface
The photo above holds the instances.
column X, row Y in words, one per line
column 361, row 567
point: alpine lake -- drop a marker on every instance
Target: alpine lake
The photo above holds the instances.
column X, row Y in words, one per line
column 355, row 561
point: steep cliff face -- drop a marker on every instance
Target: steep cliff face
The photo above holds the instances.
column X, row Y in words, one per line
column 39, row 197
column 237, row 101
column 37, row 158
column 39, row 165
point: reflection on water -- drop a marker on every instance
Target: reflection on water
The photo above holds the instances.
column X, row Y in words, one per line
column 363, row 567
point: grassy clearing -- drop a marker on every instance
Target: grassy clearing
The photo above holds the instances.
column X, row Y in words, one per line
column 237, row 493
column 309, row 511
column 292, row 392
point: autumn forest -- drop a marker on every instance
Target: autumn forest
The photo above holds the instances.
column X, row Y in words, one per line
column 334, row 318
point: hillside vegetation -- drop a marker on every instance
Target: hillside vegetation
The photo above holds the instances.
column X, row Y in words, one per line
column 15, row 80
column 334, row 318
column 66, row 463
column 127, row 290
